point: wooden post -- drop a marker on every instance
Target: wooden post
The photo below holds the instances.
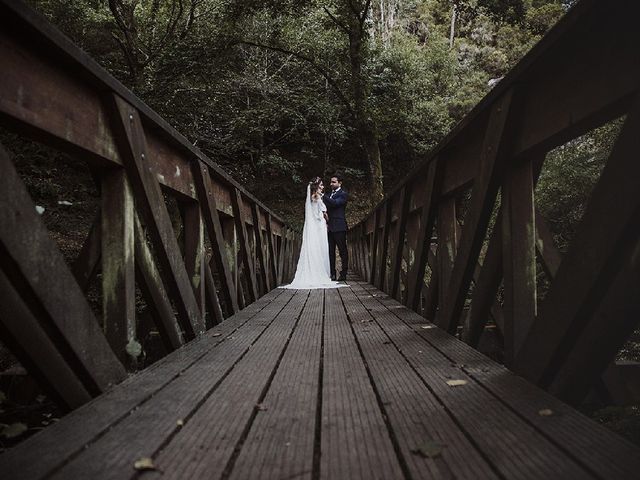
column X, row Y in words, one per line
column 118, row 268
column 273, row 259
column 382, row 268
column 374, row 248
column 519, row 257
column 245, row 250
column 262, row 262
column 447, row 245
column 194, row 257
column 396, row 254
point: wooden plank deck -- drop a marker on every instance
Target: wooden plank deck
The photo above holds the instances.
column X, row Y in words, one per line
column 331, row 384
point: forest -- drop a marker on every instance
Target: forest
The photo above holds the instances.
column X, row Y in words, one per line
column 279, row 91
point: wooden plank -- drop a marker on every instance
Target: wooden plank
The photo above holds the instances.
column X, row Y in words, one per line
column 396, row 254
column 358, row 239
column 415, row 415
column 154, row 422
column 373, row 275
column 431, row 297
column 118, row 268
column 515, row 447
column 151, row 204
column 30, row 259
column 494, row 155
column 519, row 257
column 598, row 449
column 603, row 240
column 85, row 267
column 231, row 387
column 245, row 250
column 194, row 255
column 259, row 245
column 447, row 245
column 281, row 247
column 153, row 291
column 273, row 262
column 384, row 247
column 368, row 256
column 423, row 243
column 281, row 441
column 33, row 347
column 65, row 439
column 213, row 224
column 355, row 441
column 213, row 302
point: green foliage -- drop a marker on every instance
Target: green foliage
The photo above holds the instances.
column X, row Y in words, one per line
column 569, row 174
column 287, row 113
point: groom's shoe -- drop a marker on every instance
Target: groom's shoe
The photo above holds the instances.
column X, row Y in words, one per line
column 342, row 278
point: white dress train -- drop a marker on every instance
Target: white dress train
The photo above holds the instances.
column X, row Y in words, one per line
column 313, row 265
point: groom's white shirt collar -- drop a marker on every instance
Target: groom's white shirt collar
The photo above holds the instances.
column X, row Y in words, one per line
column 336, row 190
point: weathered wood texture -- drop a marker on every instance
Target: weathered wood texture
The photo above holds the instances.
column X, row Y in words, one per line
column 496, row 153
column 55, row 94
column 341, row 383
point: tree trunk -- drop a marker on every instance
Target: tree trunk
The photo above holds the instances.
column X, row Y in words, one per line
column 365, row 125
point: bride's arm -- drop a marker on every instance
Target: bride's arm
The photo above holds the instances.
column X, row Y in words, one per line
column 317, row 212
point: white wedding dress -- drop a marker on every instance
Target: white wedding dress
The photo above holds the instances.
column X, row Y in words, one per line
column 313, row 265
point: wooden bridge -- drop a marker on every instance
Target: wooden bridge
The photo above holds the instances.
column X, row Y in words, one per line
column 380, row 379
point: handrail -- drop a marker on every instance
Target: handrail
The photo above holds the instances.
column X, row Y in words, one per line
column 55, row 94
column 582, row 74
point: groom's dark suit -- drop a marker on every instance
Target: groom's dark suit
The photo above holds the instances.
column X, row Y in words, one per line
column 336, row 202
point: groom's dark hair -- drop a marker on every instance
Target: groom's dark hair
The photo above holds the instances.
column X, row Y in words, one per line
column 337, row 176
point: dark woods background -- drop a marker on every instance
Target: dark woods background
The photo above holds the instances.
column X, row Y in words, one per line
column 278, row 91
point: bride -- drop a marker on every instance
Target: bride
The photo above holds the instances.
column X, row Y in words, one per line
column 313, row 265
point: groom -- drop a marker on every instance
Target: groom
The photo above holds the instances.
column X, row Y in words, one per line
column 337, row 226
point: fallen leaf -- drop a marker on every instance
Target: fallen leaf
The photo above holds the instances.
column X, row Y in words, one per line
column 144, row 463
column 13, row 430
column 39, row 209
column 545, row 412
column 429, row 449
column 427, row 327
column 180, row 423
column 456, row 383
column 261, row 407
column 216, row 335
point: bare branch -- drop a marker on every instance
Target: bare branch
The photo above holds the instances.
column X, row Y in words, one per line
column 365, row 12
column 336, row 21
column 317, row 67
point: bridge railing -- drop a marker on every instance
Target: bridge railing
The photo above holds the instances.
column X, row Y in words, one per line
column 231, row 248
column 447, row 263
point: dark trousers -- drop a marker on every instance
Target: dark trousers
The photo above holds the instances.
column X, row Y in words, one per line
column 338, row 239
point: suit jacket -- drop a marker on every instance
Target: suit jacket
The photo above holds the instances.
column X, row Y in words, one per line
column 335, row 209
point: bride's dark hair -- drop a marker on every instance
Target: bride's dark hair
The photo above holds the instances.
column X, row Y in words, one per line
column 314, row 184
